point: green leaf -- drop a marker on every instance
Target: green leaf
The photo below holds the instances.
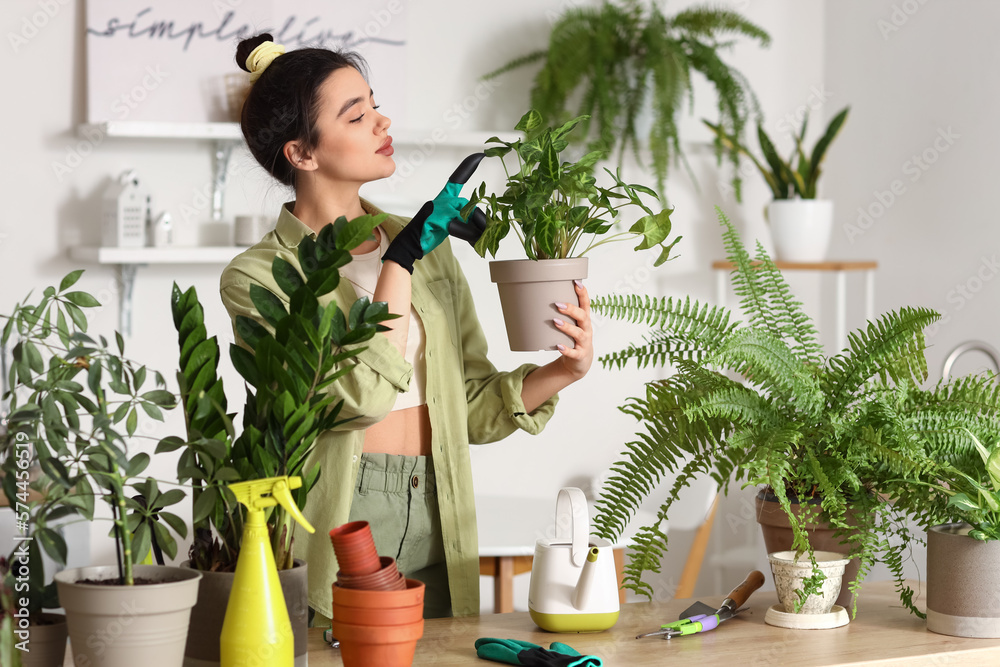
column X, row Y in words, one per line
column 529, row 121
column 82, row 299
column 175, row 522
column 70, row 279
column 204, row 505
column 33, row 356
column 53, row 543
column 286, row 276
column 497, row 151
column 137, row 464
column 132, row 422
column 962, row 502
column 160, row 397
column 358, row 230
column 269, row 305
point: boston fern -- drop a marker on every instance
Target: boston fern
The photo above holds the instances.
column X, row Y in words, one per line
column 621, row 58
column 288, row 369
column 853, row 430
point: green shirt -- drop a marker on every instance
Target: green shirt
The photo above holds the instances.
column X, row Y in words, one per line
column 468, row 400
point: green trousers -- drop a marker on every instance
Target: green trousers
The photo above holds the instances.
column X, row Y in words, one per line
column 397, row 496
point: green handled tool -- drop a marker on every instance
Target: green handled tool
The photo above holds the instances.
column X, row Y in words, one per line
column 699, row 617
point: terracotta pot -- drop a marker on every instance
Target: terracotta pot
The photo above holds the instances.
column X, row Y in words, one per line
column 777, row 533
column 387, row 577
column 382, row 645
column 375, row 616
column 124, row 626
column 48, row 642
column 355, row 548
column 412, row 594
column 529, row 290
column 963, row 580
column 209, row 612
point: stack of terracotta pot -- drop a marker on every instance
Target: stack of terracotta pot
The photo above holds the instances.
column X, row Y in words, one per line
column 378, row 614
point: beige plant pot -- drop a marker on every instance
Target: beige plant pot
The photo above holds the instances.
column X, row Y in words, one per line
column 963, row 583
column 790, row 573
column 126, row 626
column 777, row 532
column 47, row 642
column 209, row 612
column 529, row 290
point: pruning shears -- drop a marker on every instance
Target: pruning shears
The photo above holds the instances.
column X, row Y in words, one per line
column 699, row 617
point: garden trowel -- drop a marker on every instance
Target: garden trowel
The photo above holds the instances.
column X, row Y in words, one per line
column 700, row 617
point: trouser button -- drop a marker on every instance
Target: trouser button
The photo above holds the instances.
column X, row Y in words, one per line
column 415, row 482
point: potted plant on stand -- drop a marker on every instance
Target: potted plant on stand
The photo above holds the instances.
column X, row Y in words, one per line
column 287, row 407
column 559, row 213
column 826, row 438
column 800, row 223
column 83, row 400
column 634, row 67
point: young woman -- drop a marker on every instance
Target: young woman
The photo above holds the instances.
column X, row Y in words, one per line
column 421, row 392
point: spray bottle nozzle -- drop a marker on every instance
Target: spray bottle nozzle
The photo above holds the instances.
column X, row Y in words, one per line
column 259, row 494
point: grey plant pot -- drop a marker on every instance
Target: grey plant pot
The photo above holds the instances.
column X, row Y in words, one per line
column 47, row 643
column 529, row 290
column 963, row 583
column 210, row 611
column 125, row 626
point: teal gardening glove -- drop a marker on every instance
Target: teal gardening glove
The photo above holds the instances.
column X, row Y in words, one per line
column 517, row 652
column 437, row 219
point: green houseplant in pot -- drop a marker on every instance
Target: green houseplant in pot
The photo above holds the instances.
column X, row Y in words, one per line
column 74, row 404
column 634, row 67
column 288, row 366
column 800, row 223
column 559, row 213
column 827, row 439
column 963, row 556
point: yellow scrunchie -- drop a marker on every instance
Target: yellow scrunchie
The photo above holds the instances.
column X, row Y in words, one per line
column 261, row 57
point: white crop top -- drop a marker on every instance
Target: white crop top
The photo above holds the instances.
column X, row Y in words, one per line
column 363, row 271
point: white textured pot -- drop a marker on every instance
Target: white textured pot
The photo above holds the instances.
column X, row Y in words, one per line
column 126, row 626
column 800, row 228
column 790, row 572
column 963, row 581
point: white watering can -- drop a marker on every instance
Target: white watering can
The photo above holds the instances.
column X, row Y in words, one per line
column 574, row 585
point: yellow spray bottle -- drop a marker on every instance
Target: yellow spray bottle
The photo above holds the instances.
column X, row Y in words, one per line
column 256, row 630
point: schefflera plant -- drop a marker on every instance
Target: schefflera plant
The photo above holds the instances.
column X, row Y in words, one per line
column 289, row 367
column 556, row 207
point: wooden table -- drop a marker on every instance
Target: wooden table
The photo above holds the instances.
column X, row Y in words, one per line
column 883, row 634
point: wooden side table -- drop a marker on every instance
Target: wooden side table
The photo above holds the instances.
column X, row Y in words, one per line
column 838, row 268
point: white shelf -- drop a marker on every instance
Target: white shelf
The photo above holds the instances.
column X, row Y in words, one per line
column 168, row 255
column 231, row 132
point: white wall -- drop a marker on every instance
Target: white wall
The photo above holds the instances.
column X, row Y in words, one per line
column 902, row 90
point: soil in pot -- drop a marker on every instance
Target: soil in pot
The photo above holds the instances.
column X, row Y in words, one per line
column 124, row 626
column 210, row 611
column 777, row 533
column 47, row 640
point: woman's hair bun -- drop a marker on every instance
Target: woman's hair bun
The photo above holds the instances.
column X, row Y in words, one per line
column 247, row 46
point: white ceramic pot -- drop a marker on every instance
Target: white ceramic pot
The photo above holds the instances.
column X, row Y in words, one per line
column 529, row 290
column 790, row 573
column 800, row 228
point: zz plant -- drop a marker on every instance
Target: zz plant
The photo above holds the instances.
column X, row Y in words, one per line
column 555, row 207
column 621, row 58
column 74, row 405
column 288, row 366
column 851, row 431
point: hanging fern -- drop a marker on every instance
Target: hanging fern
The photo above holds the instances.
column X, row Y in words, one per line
column 621, row 58
column 854, row 429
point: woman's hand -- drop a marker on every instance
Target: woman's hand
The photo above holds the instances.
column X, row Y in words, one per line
column 578, row 359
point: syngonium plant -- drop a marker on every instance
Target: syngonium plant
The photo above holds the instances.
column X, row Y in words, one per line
column 289, row 368
column 615, row 62
column 853, row 437
column 798, row 176
column 74, row 405
column 555, row 207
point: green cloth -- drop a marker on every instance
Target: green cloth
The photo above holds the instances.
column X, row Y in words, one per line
column 468, row 400
column 518, row 652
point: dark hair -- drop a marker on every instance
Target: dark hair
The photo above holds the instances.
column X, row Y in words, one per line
column 284, row 102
